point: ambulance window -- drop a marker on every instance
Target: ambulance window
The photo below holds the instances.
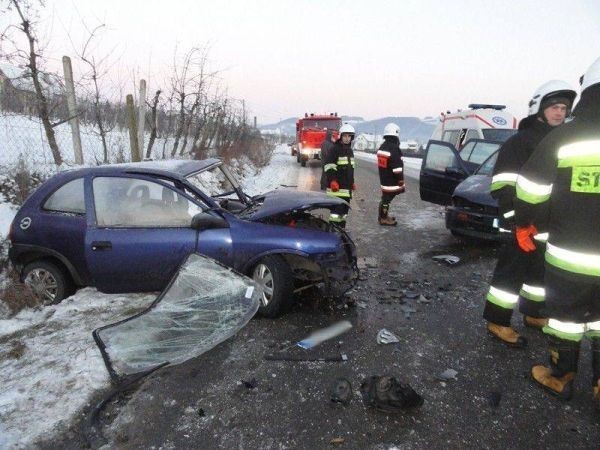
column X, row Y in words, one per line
column 451, row 136
column 471, row 134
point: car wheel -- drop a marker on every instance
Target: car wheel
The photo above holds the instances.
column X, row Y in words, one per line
column 274, row 277
column 48, row 283
column 303, row 163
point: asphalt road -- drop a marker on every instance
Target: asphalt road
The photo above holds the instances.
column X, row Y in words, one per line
column 204, row 403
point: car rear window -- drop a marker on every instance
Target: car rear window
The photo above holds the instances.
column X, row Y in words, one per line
column 69, row 198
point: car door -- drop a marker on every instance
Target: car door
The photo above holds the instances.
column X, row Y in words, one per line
column 139, row 232
column 442, row 170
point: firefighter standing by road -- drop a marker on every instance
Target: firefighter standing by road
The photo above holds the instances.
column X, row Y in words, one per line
column 518, row 276
column 391, row 176
column 325, row 147
column 564, row 173
column 339, row 167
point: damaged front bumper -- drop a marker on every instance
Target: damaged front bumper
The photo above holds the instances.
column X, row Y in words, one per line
column 339, row 270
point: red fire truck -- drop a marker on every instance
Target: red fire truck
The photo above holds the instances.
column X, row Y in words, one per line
column 310, row 133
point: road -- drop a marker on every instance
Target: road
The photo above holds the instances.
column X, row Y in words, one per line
column 205, row 404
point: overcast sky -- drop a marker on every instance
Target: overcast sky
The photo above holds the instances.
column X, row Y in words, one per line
column 370, row 58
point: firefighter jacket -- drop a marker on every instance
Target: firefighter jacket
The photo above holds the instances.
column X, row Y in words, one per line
column 564, row 172
column 391, row 167
column 339, row 166
column 511, row 157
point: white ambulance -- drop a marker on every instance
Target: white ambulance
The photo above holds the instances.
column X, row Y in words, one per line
column 480, row 121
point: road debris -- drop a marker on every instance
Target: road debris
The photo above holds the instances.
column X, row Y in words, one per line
column 337, row 441
column 387, row 394
column 448, row 259
column 407, row 310
column 250, row 384
column 341, row 391
column 386, row 337
column 447, row 375
column 494, row 398
column 319, row 336
column 423, row 299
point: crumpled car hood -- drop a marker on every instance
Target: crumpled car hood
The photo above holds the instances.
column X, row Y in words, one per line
column 476, row 189
column 205, row 304
column 284, row 201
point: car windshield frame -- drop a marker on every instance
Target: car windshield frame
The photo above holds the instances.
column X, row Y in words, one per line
column 206, row 180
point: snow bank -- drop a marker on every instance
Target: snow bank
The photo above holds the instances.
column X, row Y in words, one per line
column 281, row 170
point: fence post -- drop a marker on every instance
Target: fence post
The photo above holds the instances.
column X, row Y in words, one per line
column 131, row 121
column 141, row 117
column 72, row 109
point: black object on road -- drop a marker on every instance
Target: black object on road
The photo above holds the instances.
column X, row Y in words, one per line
column 388, row 395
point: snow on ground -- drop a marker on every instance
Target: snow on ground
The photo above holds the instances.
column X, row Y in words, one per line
column 50, row 366
column 7, row 213
column 281, row 170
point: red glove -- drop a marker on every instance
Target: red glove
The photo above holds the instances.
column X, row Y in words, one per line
column 335, row 186
column 353, row 186
column 524, row 237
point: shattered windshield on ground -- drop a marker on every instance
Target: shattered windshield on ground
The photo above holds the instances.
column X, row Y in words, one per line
column 204, row 305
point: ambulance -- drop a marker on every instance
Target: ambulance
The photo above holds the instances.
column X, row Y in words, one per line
column 480, row 121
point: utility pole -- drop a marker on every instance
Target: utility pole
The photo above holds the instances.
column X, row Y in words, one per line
column 131, row 121
column 141, row 116
column 72, row 110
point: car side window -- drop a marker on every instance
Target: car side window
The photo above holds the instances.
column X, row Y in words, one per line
column 465, row 152
column 69, row 198
column 482, row 151
column 439, row 157
column 133, row 202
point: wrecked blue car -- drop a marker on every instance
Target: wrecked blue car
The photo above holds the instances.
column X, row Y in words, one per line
column 128, row 227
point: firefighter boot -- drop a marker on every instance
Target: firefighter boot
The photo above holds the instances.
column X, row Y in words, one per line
column 384, row 219
column 596, row 371
column 558, row 378
column 507, row 335
column 535, row 322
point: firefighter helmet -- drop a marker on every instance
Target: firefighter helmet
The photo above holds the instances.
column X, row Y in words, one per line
column 552, row 92
column 347, row 129
column 591, row 76
column 391, row 129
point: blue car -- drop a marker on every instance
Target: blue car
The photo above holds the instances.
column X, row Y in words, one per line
column 128, row 227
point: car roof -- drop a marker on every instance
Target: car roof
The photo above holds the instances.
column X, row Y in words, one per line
column 172, row 168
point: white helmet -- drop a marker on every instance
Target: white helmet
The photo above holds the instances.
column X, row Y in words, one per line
column 347, row 129
column 391, row 129
column 591, row 76
column 557, row 90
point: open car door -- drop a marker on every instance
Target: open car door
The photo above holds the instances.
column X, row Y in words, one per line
column 442, row 170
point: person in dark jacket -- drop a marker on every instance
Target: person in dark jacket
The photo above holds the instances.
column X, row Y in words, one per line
column 325, row 146
column 391, row 176
column 339, row 167
column 564, row 174
column 518, row 276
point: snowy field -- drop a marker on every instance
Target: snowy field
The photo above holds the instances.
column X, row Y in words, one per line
column 49, row 364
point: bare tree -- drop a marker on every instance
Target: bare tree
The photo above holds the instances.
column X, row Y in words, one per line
column 33, row 55
column 153, row 123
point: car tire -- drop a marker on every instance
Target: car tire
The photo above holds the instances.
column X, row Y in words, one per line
column 49, row 283
column 274, row 275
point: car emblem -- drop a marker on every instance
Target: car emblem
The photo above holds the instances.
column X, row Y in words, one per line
column 25, row 223
column 499, row 120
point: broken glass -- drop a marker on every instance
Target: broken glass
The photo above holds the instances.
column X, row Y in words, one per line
column 205, row 304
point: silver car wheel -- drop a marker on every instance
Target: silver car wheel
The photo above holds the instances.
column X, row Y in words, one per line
column 264, row 278
column 43, row 285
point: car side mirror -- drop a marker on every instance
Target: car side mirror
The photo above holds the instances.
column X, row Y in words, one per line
column 203, row 221
column 456, row 171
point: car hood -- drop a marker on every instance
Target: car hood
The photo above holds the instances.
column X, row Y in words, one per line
column 476, row 189
column 284, row 201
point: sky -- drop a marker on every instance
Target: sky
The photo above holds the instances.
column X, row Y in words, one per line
column 370, row 58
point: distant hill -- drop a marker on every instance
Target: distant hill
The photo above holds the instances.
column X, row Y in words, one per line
column 410, row 127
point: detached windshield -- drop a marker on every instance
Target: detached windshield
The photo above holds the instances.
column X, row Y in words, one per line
column 215, row 182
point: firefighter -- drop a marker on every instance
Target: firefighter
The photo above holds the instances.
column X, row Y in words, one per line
column 391, row 178
column 564, row 173
column 325, row 146
column 339, row 167
column 518, row 276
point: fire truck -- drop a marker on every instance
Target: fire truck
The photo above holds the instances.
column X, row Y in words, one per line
column 310, row 133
